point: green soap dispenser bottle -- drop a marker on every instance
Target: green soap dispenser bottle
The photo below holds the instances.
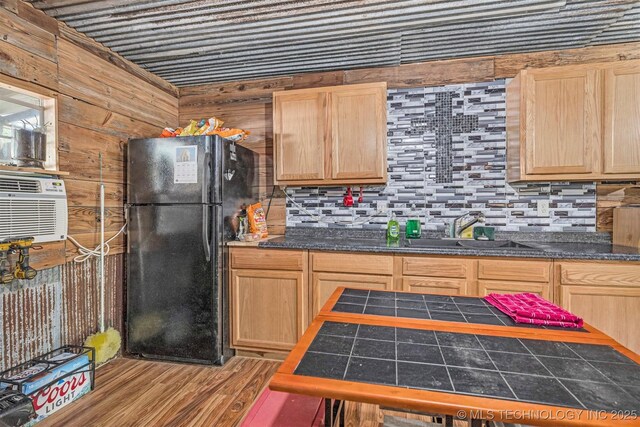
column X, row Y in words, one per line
column 413, row 229
column 393, row 229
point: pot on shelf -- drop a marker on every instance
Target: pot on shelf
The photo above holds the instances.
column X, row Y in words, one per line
column 30, row 148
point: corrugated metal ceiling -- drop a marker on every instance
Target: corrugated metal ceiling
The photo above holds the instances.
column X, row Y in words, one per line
column 195, row 42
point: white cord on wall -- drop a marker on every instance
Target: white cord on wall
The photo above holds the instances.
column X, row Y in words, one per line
column 86, row 253
column 360, row 221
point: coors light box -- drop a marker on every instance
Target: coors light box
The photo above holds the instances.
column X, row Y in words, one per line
column 54, row 379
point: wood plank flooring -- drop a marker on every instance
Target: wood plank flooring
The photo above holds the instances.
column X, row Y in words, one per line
column 138, row 393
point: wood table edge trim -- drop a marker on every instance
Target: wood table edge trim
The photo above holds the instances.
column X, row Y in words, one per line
column 445, row 403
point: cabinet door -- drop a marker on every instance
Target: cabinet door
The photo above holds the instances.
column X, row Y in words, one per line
column 324, row 284
column 435, row 285
column 611, row 309
column 622, row 118
column 359, row 132
column 300, row 131
column 268, row 309
column 563, row 121
column 486, row 287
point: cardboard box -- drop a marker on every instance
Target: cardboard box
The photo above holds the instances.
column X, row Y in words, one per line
column 53, row 381
column 626, row 226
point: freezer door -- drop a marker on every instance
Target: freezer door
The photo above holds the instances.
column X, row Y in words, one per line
column 169, row 170
column 172, row 283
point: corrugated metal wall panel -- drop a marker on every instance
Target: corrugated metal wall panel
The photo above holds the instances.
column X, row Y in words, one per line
column 192, row 42
column 30, row 320
column 81, row 298
column 58, row 307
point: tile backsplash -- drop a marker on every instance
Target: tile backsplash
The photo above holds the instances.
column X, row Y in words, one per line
column 447, row 156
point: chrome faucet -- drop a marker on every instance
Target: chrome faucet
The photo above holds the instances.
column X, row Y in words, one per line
column 465, row 221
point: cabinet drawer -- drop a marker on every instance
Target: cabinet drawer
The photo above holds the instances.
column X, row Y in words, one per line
column 324, row 284
column 435, row 285
column 521, row 271
column 485, row 287
column 603, row 274
column 267, row 259
column 437, row 267
column 352, row 263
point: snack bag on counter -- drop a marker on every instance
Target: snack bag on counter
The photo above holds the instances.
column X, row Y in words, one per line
column 257, row 220
column 235, row 135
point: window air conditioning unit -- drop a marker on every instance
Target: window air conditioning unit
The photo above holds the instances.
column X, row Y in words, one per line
column 32, row 207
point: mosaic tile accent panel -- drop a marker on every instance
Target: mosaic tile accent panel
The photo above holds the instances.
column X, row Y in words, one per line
column 447, row 156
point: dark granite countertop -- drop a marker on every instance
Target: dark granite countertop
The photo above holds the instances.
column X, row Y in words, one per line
column 578, row 245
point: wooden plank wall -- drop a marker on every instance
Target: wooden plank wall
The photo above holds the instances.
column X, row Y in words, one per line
column 247, row 104
column 610, row 196
column 102, row 101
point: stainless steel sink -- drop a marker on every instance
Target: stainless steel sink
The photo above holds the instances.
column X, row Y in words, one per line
column 470, row 244
column 489, row 244
column 430, row 243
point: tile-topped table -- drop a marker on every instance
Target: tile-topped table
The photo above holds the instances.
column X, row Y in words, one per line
column 459, row 368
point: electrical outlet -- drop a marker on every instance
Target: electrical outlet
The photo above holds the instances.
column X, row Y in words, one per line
column 543, row 208
column 382, row 206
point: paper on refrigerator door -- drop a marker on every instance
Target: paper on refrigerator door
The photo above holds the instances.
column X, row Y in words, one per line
column 185, row 165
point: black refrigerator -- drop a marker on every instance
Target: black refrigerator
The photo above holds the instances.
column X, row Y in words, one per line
column 183, row 198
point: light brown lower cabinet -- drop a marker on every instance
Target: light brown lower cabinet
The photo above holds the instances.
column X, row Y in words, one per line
column 605, row 294
column 612, row 309
column 275, row 293
column 269, row 298
column 486, row 287
column 435, row 285
column 324, row 284
column 330, row 270
column 438, row 275
column 511, row 276
column 268, row 311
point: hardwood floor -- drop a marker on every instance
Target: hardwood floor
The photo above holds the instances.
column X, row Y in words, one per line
column 138, row 393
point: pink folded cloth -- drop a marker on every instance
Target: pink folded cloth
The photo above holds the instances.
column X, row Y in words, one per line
column 533, row 309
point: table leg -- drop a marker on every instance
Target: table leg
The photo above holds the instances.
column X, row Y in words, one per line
column 327, row 413
column 448, row 421
column 333, row 409
column 336, row 408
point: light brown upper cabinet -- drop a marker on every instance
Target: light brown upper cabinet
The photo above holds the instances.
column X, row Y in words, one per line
column 578, row 122
column 331, row 135
column 622, row 118
column 301, row 129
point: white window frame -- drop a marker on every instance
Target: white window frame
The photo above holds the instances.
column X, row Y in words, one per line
column 49, row 114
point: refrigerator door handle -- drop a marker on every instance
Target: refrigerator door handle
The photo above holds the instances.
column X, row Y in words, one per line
column 205, row 232
column 206, row 188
